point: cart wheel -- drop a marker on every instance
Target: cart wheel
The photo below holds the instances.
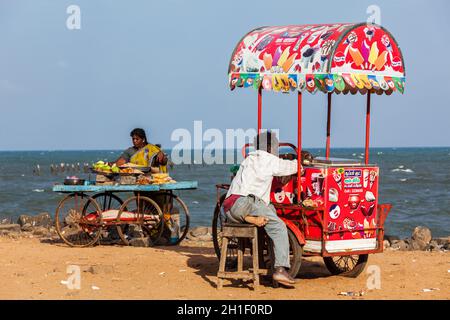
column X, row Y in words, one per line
column 108, row 201
column 347, row 266
column 143, row 217
column 217, row 225
column 175, row 209
column 78, row 220
column 295, row 254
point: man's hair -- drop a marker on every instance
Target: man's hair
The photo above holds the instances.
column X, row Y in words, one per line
column 138, row 132
column 267, row 141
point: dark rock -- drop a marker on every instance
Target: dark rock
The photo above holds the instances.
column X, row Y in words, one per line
column 6, row 221
column 401, row 245
column 41, row 231
column 134, row 231
column 199, row 231
column 442, row 241
column 43, row 219
column 446, row 246
column 433, row 246
column 421, row 234
column 10, row 227
column 139, row 242
column 418, row 245
column 390, row 238
column 205, row 237
column 27, row 227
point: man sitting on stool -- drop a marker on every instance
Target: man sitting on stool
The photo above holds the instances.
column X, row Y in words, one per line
column 248, row 199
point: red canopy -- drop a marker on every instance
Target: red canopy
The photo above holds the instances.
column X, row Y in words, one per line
column 342, row 57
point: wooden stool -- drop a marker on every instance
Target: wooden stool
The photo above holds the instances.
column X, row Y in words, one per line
column 241, row 232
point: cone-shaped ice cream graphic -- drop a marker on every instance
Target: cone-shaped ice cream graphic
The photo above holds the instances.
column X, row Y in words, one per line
column 283, row 57
column 288, row 63
column 381, row 60
column 373, row 53
column 365, row 49
column 276, row 56
column 267, row 57
column 373, row 175
column 338, row 178
column 356, row 56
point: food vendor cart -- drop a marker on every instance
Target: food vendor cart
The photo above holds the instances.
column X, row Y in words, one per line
column 332, row 209
column 89, row 209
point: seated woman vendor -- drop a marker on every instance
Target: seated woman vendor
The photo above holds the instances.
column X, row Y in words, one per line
column 143, row 153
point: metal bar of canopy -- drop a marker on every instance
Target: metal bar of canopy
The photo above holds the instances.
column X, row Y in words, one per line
column 259, row 110
column 327, row 153
column 299, row 146
column 367, row 128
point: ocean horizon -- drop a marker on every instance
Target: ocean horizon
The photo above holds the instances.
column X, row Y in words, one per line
column 416, row 180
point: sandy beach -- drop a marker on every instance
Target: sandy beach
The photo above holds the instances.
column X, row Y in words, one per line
column 34, row 269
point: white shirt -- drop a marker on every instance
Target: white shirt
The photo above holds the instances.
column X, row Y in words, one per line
column 256, row 173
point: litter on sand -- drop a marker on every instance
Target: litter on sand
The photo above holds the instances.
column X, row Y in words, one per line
column 430, row 289
column 95, row 288
column 351, row 293
column 162, row 273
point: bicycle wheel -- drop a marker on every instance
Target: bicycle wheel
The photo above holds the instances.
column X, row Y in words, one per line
column 78, row 220
column 348, row 266
column 144, row 219
column 295, row 254
column 108, row 201
column 176, row 218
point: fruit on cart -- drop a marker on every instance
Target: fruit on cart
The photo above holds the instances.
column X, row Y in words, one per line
column 115, row 168
column 102, row 166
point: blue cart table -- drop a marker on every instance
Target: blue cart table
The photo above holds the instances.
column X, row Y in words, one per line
column 182, row 185
column 89, row 211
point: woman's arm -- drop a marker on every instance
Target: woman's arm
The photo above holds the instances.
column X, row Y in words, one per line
column 120, row 161
column 162, row 158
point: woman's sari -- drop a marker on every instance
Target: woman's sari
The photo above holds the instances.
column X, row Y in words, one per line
column 145, row 156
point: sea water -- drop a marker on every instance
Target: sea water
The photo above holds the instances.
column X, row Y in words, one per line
column 415, row 180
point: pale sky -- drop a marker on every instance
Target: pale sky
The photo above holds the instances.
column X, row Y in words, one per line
column 161, row 65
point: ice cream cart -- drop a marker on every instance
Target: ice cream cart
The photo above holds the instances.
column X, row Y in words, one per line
column 331, row 209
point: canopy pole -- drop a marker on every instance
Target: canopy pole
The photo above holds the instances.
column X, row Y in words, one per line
column 367, row 128
column 259, row 109
column 299, row 146
column 327, row 152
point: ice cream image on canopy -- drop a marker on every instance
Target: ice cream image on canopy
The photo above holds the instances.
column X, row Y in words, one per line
column 299, row 41
column 325, row 52
column 387, row 43
column 373, row 53
column 267, row 58
column 365, row 49
column 283, row 57
column 354, row 52
column 276, row 56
